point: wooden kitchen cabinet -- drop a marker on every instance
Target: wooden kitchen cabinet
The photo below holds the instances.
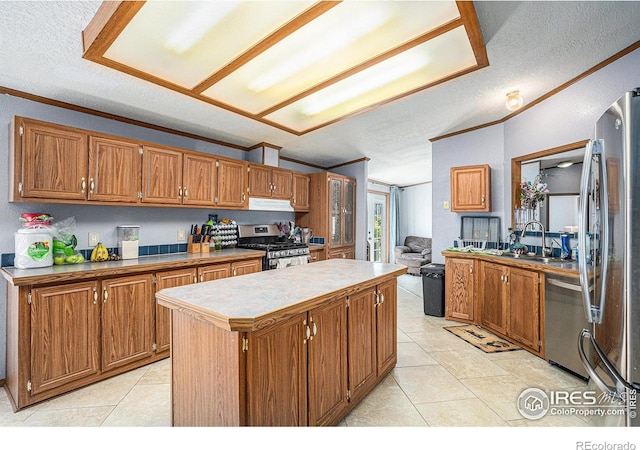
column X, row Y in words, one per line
column 232, row 184
column 300, row 196
column 316, row 253
column 128, row 307
column 510, row 303
column 161, row 175
column 460, row 289
column 169, row 279
column 246, row 267
column 199, row 180
column 471, row 188
column 386, row 326
column 270, row 182
column 332, row 213
column 63, row 336
column 114, row 170
column 362, row 335
column 214, row 272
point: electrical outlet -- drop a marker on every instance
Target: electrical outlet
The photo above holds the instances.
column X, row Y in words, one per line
column 182, row 235
column 94, row 238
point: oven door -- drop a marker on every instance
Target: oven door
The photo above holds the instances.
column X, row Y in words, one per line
column 281, row 263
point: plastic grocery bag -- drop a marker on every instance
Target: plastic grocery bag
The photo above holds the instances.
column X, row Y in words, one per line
column 65, row 242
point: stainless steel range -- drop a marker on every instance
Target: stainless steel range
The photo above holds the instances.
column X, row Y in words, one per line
column 279, row 251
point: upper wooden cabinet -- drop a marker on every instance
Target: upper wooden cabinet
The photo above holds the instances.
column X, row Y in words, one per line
column 300, row 196
column 61, row 164
column 114, row 170
column 265, row 181
column 232, row 183
column 471, row 188
column 52, row 161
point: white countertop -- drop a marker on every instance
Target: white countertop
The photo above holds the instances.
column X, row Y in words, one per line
column 252, row 296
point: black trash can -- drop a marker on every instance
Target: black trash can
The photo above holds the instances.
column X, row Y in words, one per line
column 433, row 289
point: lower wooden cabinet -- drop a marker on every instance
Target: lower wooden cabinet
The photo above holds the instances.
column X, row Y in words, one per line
column 311, row 368
column 510, row 303
column 348, row 252
column 316, row 254
column 460, row 289
column 61, row 337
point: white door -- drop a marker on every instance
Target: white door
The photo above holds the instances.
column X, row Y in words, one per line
column 378, row 226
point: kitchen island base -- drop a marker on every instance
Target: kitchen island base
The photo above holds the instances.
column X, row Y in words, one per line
column 304, row 356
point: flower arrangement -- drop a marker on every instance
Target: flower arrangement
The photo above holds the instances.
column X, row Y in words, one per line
column 533, row 192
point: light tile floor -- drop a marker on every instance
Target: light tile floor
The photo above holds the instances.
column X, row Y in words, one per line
column 439, row 381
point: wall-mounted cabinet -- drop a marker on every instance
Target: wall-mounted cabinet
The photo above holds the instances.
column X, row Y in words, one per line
column 58, row 164
column 471, row 188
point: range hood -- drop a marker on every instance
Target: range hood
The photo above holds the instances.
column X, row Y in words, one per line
column 269, row 204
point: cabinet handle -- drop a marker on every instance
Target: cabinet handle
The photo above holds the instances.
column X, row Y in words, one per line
column 506, row 278
column 483, row 199
column 91, row 185
column 83, row 184
column 274, row 188
column 105, row 295
column 195, row 279
column 243, row 197
column 186, row 192
column 470, row 269
column 502, row 277
column 234, row 272
column 307, row 331
column 95, row 296
column 382, row 296
column 179, row 191
column 201, row 277
column 293, row 200
column 315, row 329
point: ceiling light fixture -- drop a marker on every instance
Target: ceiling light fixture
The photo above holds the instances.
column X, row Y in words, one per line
column 198, row 23
column 324, row 45
column 514, row 101
column 565, row 164
column 376, row 80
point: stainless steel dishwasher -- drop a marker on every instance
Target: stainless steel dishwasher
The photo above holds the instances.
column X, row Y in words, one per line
column 564, row 319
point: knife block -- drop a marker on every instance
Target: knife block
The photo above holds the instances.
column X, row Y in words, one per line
column 193, row 247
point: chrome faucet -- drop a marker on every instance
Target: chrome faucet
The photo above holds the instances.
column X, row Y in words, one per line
column 545, row 250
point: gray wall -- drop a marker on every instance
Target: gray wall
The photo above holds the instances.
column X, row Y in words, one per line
column 158, row 225
column 416, row 211
column 568, row 116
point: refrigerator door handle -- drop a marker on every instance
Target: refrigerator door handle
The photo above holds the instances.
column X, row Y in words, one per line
column 593, row 312
column 615, row 376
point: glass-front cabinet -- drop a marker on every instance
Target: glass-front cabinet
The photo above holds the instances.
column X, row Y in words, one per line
column 342, row 195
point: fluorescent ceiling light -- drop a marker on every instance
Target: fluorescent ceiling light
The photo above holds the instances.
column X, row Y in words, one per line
column 323, row 45
column 565, row 164
column 198, row 23
column 375, row 81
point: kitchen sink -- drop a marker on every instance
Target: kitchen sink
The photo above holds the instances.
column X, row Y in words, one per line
column 537, row 258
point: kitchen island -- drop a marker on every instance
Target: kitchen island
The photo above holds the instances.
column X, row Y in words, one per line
column 293, row 347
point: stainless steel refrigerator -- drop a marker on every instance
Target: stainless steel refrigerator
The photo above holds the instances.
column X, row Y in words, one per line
column 609, row 261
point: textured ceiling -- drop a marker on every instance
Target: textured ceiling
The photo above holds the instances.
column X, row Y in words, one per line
column 532, row 46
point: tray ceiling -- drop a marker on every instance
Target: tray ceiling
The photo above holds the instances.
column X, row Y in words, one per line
column 296, row 65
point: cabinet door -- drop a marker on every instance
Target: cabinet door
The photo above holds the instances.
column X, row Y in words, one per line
column 471, row 188
column 168, row 280
column 54, row 162
column 214, row 272
column 524, row 307
column 362, row 342
column 277, row 374
column 64, row 334
column 232, row 183
column 342, row 252
column 387, row 326
column 161, row 175
column 459, row 289
column 282, row 184
column 127, row 320
column 199, row 180
column 335, row 211
column 327, row 362
column 246, row 267
column 259, row 180
column 114, row 170
column 300, row 195
column 493, row 296
column 349, row 226
column 316, row 255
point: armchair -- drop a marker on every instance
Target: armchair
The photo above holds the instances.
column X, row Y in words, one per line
column 415, row 253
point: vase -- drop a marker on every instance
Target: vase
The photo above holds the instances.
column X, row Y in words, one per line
column 525, row 215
